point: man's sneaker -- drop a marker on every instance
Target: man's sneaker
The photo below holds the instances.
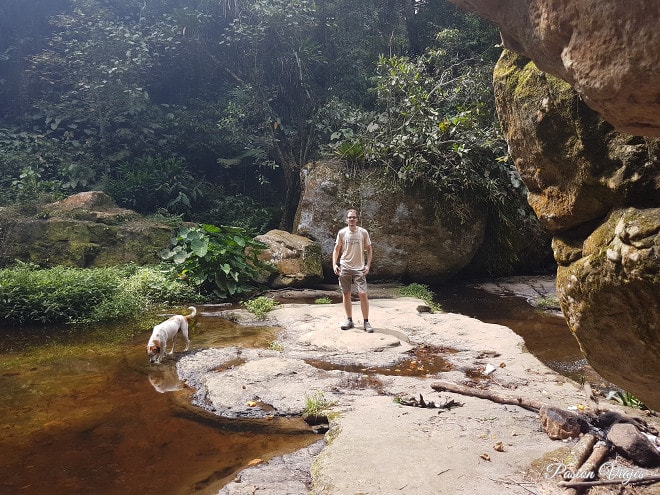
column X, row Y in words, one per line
column 368, row 328
column 347, row 324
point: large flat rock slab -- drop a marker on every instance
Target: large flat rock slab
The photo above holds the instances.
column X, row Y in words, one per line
column 376, row 445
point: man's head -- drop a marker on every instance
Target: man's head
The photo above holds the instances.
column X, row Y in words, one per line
column 352, row 217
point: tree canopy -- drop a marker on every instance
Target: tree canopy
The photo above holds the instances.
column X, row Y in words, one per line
column 229, row 99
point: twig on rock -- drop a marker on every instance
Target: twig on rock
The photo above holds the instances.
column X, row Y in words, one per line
column 531, row 405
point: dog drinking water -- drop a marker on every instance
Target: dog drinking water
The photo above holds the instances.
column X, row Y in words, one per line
column 166, row 331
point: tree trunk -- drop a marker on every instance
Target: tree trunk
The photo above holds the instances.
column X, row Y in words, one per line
column 292, row 197
column 291, row 170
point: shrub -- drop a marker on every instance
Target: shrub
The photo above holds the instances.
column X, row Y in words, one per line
column 240, row 211
column 219, row 260
column 260, row 306
column 158, row 286
column 148, row 184
column 85, row 295
column 64, row 294
column 316, row 404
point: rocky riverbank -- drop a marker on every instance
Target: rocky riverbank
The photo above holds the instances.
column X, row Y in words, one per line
column 378, row 442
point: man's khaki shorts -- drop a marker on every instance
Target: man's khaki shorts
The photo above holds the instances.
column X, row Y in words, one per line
column 349, row 277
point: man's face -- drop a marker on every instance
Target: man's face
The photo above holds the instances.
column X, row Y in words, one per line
column 352, row 218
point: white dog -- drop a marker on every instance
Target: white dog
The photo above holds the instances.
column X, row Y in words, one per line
column 166, row 331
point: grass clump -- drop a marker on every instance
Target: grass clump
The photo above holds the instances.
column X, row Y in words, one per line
column 628, row 399
column 34, row 295
column 316, row 403
column 323, row 300
column 547, row 303
column 421, row 291
column 260, row 306
column 275, row 346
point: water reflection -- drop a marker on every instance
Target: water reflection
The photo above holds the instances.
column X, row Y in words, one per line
column 99, row 419
column 165, row 379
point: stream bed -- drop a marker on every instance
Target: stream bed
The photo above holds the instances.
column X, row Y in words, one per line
column 99, row 419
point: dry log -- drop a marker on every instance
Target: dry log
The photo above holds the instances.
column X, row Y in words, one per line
column 598, row 455
column 581, row 451
column 532, row 405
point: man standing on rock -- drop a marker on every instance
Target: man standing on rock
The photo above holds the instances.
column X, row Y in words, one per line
column 352, row 242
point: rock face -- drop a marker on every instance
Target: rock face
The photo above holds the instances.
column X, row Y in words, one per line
column 561, row 424
column 297, row 259
column 411, row 240
column 575, row 165
column 610, row 294
column 629, row 442
column 608, row 50
column 596, row 190
column 84, row 230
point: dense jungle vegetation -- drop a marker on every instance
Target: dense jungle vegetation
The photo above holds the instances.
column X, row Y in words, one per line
column 207, row 109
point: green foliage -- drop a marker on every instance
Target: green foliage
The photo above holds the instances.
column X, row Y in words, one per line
column 240, row 211
column 260, row 306
column 83, row 295
column 158, row 286
column 436, row 133
column 275, row 346
column 34, row 167
column 256, row 87
column 421, row 291
column 323, row 300
column 151, row 183
column 59, row 294
column 548, row 302
column 629, row 400
column 219, row 260
column 276, row 63
column 100, row 61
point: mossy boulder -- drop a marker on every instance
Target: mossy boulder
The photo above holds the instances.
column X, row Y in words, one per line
column 575, row 165
column 607, row 49
column 85, row 230
column 611, row 297
column 296, row 260
column 597, row 191
column 412, row 240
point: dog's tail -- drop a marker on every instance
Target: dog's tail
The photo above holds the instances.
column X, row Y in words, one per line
column 193, row 312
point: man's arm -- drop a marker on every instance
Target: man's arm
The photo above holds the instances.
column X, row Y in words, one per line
column 336, row 252
column 370, row 253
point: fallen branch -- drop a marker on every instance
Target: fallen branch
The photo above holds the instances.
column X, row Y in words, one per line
column 598, row 455
column 531, row 405
column 634, row 481
column 581, row 452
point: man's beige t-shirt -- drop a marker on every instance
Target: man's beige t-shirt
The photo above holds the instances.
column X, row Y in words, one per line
column 353, row 246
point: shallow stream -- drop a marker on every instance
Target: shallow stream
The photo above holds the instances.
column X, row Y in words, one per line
column 87, row 418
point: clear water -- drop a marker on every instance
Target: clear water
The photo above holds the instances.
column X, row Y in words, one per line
column 94, row 420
